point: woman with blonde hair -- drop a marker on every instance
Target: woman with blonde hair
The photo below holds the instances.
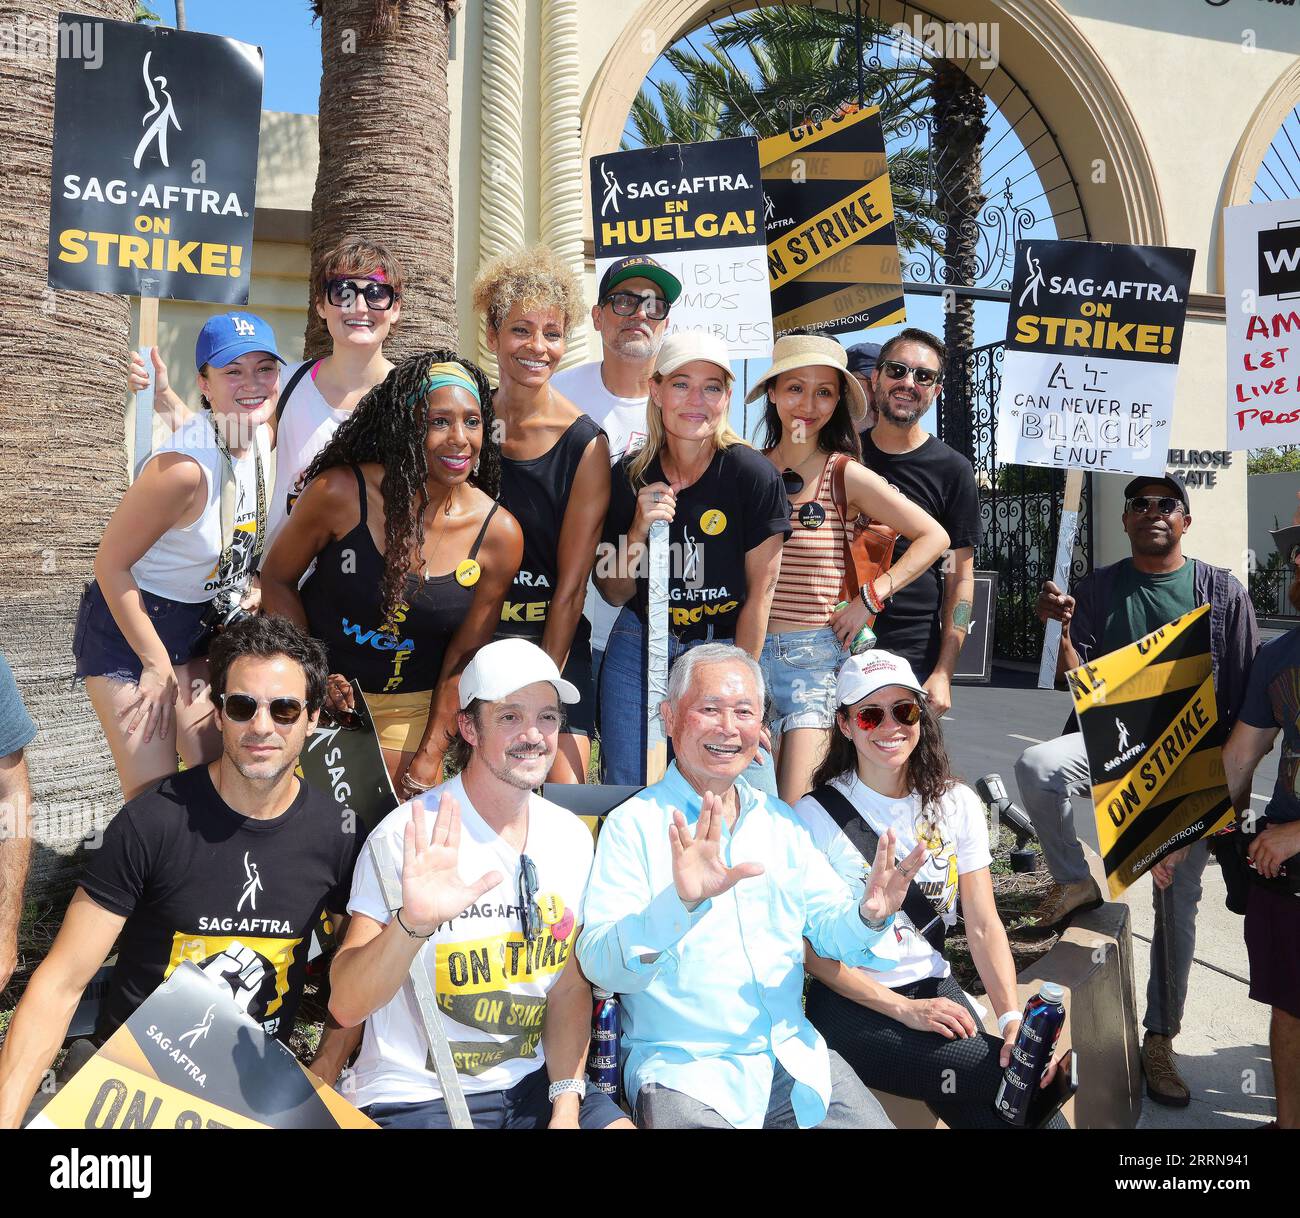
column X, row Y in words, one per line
column 555, row 476
column 813, row 408
column 728, row 516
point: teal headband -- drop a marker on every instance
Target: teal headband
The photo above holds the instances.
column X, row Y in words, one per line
column 440, row 376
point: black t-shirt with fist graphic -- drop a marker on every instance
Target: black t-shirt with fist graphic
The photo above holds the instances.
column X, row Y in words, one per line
column 239, row 897
column 737, row 504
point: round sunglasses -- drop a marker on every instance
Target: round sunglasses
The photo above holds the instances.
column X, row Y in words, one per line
column 342, row 292
column 907, row 712
column 897, row 371
column 240, row 708
column 1166, row 505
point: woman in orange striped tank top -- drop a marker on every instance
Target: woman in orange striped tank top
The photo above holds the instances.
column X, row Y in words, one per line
column 813, row 410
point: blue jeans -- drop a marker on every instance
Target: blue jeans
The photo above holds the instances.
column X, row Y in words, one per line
column 623, row 693
column 800, row 668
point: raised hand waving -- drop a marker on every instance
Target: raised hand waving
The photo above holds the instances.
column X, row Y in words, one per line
column 888, row 881
column 432, row 889
column 699, row 872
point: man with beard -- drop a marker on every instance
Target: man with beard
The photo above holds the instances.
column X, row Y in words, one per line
column 228, row 865
column 926, row 623
column 630, row 315
column 516, row 1007
column 1112, row 607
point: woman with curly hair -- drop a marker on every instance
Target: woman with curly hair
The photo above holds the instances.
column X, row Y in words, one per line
column 911, row 1031
column 412, row 554
column 555, row 475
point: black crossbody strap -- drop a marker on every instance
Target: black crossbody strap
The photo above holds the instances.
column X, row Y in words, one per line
column 866, row 841
column 302, row 371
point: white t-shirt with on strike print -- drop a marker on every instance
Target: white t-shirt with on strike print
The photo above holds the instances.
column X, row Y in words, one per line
column 491, row 986
column 958, row 844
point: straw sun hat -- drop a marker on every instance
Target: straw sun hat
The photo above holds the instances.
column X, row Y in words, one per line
column 809, row 350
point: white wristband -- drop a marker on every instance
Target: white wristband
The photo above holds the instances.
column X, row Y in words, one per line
column 557, row 1089
column 1005, row 1018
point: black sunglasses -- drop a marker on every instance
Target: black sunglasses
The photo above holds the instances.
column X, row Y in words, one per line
column 792, row 480
column 240, row 708
column 1166, row 505
column 342, row 292
column 907, row 712
column 627, row 304
column 925, row 377
column 529, row 914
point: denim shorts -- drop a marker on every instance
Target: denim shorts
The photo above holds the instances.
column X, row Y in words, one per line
column 799, row 669
column 101, row 650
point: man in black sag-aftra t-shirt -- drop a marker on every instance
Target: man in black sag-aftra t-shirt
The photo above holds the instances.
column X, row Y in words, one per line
column 228, row 865
column 927, row 621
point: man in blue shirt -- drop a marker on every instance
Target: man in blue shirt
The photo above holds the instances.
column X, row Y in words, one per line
column 701, row 895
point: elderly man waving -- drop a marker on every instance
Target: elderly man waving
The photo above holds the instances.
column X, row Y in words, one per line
column 702, row 893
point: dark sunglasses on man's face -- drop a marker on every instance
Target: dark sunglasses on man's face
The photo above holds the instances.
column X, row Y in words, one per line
column 907, row 712
column 627, row 304
column 240, row 708
column 342, row 292
column 1166, row 505
column 925, row 377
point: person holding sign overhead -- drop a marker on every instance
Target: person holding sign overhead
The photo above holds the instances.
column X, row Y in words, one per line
column 554, row 476
column 812, row 406
column 728, row 516
column 412, row 554
column 178, row 559
column 1110, row 608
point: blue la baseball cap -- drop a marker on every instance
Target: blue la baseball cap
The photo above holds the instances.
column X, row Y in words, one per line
column 227, row 336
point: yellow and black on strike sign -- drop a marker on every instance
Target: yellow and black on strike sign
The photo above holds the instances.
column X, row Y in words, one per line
column 188, row 1058
column 832, row 251
column 1154, row 740
column 155, row 165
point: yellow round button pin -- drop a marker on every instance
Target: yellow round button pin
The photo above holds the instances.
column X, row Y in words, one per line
column 467, row 572
column 713, row 522
column 551, row 907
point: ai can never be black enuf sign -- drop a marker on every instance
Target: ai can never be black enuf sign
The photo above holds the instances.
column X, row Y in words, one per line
column 155, row 165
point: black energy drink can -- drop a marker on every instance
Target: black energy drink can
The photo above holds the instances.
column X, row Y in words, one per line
column 602, row 1057
column 1039, row 1030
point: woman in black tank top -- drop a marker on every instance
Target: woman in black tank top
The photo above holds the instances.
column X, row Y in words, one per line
column 412, row 555
column 555, row 476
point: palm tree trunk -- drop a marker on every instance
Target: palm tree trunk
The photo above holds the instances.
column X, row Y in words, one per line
column 958, row 131
column 63, row 358
column 384, row 127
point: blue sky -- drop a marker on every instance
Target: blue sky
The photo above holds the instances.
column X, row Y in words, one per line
column 282, row 28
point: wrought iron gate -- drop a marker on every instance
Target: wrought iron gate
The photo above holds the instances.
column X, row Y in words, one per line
column 1020, row 516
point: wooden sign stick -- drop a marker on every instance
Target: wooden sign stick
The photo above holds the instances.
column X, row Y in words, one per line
column 144, row 398
column 1061, row 573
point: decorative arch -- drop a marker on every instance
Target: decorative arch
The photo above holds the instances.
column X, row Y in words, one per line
column 1049, row 58
column 1243, row 169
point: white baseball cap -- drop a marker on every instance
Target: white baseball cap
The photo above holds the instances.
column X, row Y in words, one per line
column 509, row 665
column 686, row 346
column 861, row 675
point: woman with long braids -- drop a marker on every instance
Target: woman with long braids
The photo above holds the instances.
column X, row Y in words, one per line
column 813, row 408
column 554, row 476
column 912, row 1030
column 413, row 555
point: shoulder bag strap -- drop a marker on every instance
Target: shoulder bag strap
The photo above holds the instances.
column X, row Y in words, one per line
column 866, row 841
column 305, row 367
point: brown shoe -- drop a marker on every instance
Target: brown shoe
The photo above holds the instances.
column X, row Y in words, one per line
column 1164, row 1084
column 1065, row 900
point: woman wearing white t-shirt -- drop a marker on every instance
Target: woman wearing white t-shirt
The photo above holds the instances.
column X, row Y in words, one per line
column 177, row 558
column 911, row 1031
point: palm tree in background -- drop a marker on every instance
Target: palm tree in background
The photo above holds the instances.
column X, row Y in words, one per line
column 384, row 129
column 805, row 66
column 63, row 358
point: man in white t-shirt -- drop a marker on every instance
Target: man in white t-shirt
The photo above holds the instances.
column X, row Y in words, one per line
column 496, row 949
column 630, row 315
